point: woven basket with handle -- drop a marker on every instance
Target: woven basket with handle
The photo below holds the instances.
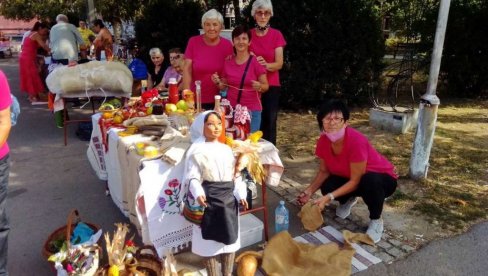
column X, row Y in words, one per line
column 64, row 233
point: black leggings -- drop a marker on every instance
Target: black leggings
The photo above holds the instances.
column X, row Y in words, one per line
column 271, row 105
column 373, row 188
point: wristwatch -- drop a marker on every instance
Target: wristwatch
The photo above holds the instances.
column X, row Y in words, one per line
column 331, row 196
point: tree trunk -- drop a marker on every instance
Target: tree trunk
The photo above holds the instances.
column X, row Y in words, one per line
column 237, row 12
column 117, row 26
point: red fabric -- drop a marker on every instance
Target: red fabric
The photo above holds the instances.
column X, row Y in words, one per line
column 30, row 80
column 356, row 149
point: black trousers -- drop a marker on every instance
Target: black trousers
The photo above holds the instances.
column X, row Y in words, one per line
column 373, row 188
column 271, row 104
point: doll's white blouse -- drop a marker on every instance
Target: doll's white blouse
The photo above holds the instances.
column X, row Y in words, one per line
column 212, row 161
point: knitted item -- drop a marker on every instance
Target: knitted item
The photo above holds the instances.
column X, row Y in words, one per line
column 211, row 265
column 227, row 262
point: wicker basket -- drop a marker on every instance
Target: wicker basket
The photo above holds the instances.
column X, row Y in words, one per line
column 147, row 263
column 64, row 232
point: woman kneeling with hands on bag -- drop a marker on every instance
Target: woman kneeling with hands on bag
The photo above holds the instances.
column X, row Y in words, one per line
column 349, row 167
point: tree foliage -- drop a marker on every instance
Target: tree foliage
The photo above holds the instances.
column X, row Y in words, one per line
column 75, row 9
column 464, row 66
column 167, row 24
column 334, row 49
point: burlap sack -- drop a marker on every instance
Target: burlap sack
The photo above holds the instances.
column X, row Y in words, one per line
column 311, row 216
column 285, row 256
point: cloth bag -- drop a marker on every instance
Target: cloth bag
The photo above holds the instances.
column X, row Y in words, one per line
column 241, row 126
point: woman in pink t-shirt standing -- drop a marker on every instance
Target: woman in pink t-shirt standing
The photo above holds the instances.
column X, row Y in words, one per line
column 5, row 124
column 267, row 44
column 254, row 82
column 205, row 55
column 349, row 167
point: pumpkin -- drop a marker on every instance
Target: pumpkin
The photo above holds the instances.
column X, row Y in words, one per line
column 247, row 263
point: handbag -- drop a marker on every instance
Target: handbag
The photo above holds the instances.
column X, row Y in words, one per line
column 191, row 211
column 241, row 126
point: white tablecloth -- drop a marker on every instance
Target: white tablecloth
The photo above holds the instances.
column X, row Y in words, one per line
column 148, row 192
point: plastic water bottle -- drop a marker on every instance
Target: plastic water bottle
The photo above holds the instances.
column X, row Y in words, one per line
column 103, row 57
column 281, row 218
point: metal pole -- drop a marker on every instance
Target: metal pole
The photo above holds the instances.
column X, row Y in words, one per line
column 429, row 103
column 91, row 11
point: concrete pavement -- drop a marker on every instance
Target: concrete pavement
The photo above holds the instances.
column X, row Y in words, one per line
column 47, row 180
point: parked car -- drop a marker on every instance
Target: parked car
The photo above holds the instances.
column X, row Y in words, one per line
column 5, row 48
column 15, row 42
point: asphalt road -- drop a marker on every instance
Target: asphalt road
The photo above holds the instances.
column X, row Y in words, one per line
column 48, row 180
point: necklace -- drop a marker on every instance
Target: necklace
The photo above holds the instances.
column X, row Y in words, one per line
column 262, row 29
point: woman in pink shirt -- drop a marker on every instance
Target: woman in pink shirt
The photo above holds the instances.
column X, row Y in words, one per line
column 349, row 167
column 267, row 45
column 205, row 55
column 5, row 124
column 255, row 82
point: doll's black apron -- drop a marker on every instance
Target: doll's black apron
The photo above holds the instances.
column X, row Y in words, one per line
column 220, row 221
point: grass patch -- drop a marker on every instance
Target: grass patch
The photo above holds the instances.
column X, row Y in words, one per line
column 400, row 199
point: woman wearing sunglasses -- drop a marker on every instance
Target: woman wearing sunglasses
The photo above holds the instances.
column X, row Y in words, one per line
column 349, row 167
column 175, row 69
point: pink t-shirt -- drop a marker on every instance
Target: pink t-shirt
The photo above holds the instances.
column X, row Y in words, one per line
column 5, row 102
column 207, row 60
column 356, row 149
column 233, row 73
column 265, row 46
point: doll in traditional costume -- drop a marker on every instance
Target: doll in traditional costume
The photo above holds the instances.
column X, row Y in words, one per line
column 212, row 184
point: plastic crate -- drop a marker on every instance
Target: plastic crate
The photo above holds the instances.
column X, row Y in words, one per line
column 251, row 230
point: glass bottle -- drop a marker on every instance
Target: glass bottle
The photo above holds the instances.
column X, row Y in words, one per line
column 221, row 111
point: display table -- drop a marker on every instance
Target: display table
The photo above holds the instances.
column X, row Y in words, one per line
column 149, row 191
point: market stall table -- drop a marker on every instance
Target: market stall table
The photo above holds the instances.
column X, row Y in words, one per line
column 140, row 188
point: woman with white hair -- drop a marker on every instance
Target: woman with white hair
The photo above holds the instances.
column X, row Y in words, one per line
column 205, row 55
column 155, row 70
column 267, row 44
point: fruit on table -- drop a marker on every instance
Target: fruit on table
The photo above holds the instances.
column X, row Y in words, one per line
column 170, row 108
column 118, row 119
column 116, row 103
column 107, row 115
column 181, row 104
column 107, row 106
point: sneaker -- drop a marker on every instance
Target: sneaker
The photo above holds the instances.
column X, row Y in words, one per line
column 344, row 210
column 375, row 229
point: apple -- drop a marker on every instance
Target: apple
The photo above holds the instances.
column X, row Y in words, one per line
column 170, row 108
column 181, row 104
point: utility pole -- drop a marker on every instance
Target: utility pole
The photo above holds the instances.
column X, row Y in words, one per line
column 91, row 12
column 429, row 102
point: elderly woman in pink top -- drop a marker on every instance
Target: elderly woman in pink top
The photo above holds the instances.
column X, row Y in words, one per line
column 205, row 55
column 349, row 167
column 267, row 44
column 255, row 82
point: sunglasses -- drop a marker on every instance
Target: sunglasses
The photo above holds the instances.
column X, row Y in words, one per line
column 174, row 57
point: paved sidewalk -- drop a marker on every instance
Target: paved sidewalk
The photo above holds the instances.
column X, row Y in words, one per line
column 388, row 249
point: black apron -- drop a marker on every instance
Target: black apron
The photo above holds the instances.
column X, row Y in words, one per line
column 220, row 221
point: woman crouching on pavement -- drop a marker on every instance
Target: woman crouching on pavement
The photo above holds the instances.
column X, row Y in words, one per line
column 349, row 167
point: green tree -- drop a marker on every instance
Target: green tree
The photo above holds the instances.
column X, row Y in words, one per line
column 167, row 24
column 334, row 49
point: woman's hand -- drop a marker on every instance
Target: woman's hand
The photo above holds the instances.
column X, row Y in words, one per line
column 262, row 61
column 216, row 78
column 322, row 202
column 303, row 197
column 202, row 201
column 244, row 203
